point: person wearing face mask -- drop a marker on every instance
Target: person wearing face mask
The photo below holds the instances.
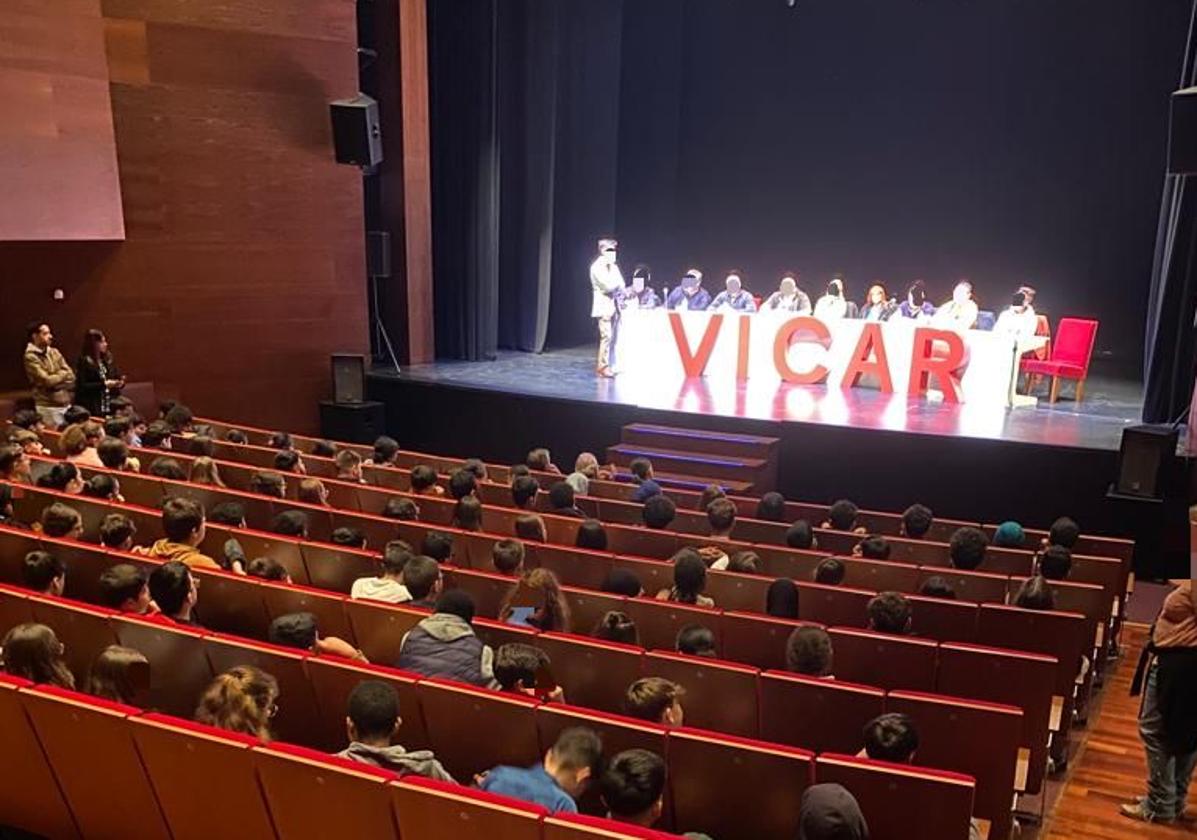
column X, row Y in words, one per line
column 1020, row 317
column 916, row 304
column 833, row 306
column 961, row 311
column 689, row 294
column 878, row 306
column 734, row 299
column 640, row 295
column 788, row 297
column 606, row 284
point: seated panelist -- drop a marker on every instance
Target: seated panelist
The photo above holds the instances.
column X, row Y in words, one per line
column 916, row 305
column 878, row 306
column 833, row 306
column 1020, row 317
column 689, row 294
column 639, row 295
column 734, row 298
column 788, row 297
column 961, row 311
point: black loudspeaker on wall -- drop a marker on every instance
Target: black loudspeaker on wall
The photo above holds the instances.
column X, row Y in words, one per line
column 1144, row 452
column 378, row 253
column 1182, row 139
column 357, row 134
column 349, row 377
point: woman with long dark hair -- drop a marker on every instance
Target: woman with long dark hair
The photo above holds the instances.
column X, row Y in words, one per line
column 97, row 378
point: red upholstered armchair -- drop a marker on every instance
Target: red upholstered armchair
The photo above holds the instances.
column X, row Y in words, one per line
column 1070, row 354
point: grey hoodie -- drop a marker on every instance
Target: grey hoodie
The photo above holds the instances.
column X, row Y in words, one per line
column 444, row 645
column 398, row 760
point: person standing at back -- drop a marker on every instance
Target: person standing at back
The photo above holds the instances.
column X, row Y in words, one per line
column 49, row 375
column 99, row 380
column 606, row 285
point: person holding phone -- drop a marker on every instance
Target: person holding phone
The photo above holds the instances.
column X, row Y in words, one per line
column 537, row 602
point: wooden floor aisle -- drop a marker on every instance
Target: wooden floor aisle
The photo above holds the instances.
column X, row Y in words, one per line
column 1110, row 768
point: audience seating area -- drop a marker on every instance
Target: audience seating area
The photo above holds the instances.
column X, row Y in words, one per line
column 987, row 683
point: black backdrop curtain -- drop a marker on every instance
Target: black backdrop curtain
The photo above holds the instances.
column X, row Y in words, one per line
column 1172, row 305
column 525, row 113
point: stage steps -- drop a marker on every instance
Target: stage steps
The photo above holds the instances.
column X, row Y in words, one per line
column 694, row 458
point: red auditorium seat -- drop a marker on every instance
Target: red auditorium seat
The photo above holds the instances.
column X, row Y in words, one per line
column 756, row 639
column 734, row 591
column 428, row 808
column 756, row 783
column 336, row 568
column 255, row 544
column 14, row 608
column 333, row 680
column 183, row 757
column 232, row 602
column 328, row 607
column 179, row 667
column 833, row 605
column 942, row 619
column 586, row 569
column 1024, row 680
column 378, row 628
column 968, row 736
column 583, row 827
column 928, row 804
column 498, row 633
column 970, row 586
column 886, row 661
column 880, row 576
column 30, row 798
column 488, row 589
column 817, row 714
column 90, row 746
column 641, row 542
column 721, row 696
column 311, row 794
column 297, row 715
column 787, row 562
column 654, row 575
column 83, row 630
column 593, row 673
column 475, row 729
column 658, row 622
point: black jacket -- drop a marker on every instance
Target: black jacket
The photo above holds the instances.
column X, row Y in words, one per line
column 89, row 384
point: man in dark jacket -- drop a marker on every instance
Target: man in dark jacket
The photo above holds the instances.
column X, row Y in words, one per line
column 444, row 644
column 372, row 722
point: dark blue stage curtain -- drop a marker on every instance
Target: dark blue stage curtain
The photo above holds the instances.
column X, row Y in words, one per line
column 525, row 111
column 1168, row 363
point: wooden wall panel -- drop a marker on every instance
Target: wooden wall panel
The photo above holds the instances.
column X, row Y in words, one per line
column 57, row 149
column 243, row 266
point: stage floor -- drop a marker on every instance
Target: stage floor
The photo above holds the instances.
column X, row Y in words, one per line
column 1109, row 405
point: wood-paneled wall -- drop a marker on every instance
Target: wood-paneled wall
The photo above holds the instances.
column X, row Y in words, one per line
column 243, row 264
column 57, row 150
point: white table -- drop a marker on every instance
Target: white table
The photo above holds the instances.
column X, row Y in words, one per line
column 648, row 354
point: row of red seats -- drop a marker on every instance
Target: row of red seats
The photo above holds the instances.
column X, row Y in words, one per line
column 155, row 776
column 875, row 521
column 823, row 715
column 473, row 729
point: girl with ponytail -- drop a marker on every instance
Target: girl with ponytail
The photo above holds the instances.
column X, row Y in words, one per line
column 241, row 699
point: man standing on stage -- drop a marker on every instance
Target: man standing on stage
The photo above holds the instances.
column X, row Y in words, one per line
column 606, row 282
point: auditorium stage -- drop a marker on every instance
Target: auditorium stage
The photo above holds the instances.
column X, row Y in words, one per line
column 1110, row 404
column 884, row 452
